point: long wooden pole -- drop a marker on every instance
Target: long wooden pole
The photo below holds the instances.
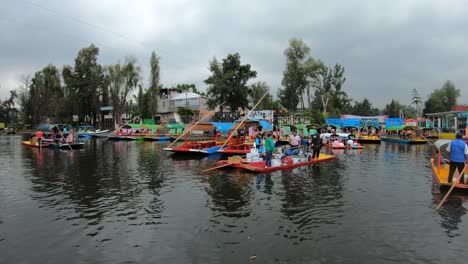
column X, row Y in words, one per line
column 451, row 188
column 245, row 118
column 190, row 128
column 64, row 140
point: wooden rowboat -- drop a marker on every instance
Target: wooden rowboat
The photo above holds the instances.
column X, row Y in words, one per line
column 440, row 171
column 34, row 143
column 259, row 166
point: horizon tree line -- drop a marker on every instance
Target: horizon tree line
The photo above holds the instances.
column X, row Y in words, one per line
column 80, row 90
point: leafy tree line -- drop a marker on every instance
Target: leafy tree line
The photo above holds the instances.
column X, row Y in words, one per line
column 83, row 88
column 307, row 84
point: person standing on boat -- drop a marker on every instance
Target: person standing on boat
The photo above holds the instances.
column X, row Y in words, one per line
column 39, row 135
column 458, row 151
column 259, row 143
column 316, row 145
column 269, row 147
column 294, row 140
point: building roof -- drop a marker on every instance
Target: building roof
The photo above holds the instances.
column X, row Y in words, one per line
column 186, row 95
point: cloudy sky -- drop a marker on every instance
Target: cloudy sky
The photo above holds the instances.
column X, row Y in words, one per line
column 388, row 48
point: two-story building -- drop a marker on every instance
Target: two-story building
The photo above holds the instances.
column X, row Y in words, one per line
column 170, row 100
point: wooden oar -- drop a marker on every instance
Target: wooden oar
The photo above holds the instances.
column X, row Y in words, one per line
column 245, row 118
column 240, row 160
column 187, row 130
column 451, row 188
column 64, row 140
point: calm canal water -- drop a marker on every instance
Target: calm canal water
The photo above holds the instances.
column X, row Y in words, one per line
column 130, row 202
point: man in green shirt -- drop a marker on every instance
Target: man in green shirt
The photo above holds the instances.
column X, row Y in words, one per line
column 269, row 147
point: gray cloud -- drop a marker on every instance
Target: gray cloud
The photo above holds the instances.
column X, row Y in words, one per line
column 388, row 48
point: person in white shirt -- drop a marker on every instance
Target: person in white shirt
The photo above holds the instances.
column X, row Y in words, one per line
column 294, row 140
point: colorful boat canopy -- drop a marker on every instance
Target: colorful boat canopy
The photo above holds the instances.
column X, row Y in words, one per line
column 334, row 122
column 351, row 122
column 222, row 127
column 175, row 126
column 50, row 127
column 391, row 122
column 394, row 128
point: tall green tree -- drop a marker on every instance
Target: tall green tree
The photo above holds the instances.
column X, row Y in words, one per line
column 330, row 96
column 256, row 92
column 153, row 90
column 46, row 95
column 393, row 109
column 85, row 83
column 228, row 83
column 295, row 77
column 189, row 87
column 123, row 78
column 316, row 71
column 24, row 101
column 364, row 108
column 443, row 99
column 417, row 101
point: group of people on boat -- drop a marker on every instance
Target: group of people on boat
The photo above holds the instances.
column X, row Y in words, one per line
column 266, row 144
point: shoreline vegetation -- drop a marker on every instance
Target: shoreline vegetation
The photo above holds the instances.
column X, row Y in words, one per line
column 76, row 93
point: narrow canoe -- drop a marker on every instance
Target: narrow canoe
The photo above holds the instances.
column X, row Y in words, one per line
column 29, row 143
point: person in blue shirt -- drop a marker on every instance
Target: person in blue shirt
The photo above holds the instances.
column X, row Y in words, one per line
column 458, row 151
column 259, row 142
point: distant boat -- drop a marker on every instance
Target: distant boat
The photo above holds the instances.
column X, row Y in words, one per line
column 202, row 130
column 54, row 137
column 89, row 131
column 404, row 135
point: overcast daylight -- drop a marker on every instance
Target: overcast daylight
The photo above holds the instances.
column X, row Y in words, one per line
column 219, row 131
column 388, row 48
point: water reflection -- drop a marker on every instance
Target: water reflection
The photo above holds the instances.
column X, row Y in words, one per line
column 230, row 194
column 118, row 202
column 264, row 183
column 451, row 212
column 312, row 198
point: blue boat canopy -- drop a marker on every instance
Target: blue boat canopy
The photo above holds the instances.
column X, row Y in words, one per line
column 222, row 126
column 351, row 122
column 265, row 124
column 334, row 122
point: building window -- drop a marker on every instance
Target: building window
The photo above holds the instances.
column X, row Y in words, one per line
column 164, row 104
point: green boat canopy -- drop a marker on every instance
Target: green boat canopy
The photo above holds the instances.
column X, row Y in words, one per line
column 397, row 128
column 175, row 126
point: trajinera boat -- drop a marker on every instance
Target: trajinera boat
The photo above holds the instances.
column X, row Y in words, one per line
column 339, row 141
column 369, row 131
column 430, row 132
column 130, row 132
column 165, row 132
column 404, row 135
column 287, row 162
column 55, row 136
column 440, row 168
column 243, row 135
column 208, row 142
